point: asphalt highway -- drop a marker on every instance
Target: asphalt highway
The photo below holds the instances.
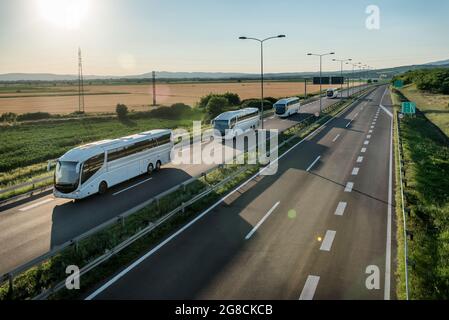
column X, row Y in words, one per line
column 321, row 228
column 33, row 227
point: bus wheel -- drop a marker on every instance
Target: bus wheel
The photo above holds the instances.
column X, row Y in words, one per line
column 103, row 187
column 158, row 166
column 150, row 168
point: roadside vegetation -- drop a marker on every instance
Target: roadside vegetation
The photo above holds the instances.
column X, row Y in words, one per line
column 428, row 80
column 434, row 106
column 426, row 193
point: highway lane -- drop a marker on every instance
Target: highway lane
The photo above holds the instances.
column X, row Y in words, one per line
column 32, row 228
column 311, row 231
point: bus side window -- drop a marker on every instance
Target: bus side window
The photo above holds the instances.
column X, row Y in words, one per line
column 91, row 167
column 233, row 123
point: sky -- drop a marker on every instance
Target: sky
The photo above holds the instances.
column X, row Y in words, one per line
column 127, row 37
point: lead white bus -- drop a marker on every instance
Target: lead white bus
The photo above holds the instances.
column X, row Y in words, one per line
column 232, row 123
column 286, row 107
column 332, row 93
column 95, row 167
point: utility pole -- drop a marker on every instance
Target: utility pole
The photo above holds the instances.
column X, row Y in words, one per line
column 80, row 83
column 305, row 88
column 154, row 88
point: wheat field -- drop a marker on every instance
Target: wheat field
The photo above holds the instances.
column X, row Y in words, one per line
column 139, row 97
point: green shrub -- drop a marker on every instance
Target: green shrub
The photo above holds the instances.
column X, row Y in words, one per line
column 8, row 117
column 175, row 111
column 232, row 99
column 255, row 103
column 216, row 105
column 34, row 116
column 122, row 111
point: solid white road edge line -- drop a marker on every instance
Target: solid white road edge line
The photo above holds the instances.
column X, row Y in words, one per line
column 313, row 163
column 174, row 235
column 389, row 215
column 130, row 187
column 309, row 288
column 249, row 235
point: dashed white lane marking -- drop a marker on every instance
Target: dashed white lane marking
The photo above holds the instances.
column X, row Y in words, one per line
column 355, row 171
column 328, row 240
column 366, row 143
column 341, row 208
column 335, row 139
column 262, row 221
column 308, row 292
column 37, row 204
column 349, row 187
column 372, row 127
column 368, row 136
column 371, row 131
column 359, row 159
column 130, row 187
column 313, row 163
column 349, row 123
column 363, row 150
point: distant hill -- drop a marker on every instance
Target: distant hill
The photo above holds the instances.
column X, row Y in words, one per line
column 438, row 63
column 388, row 72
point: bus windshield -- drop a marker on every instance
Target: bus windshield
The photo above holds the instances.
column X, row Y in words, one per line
column 280, row 108
column 66, row 176
column 221, row 125
column 330, row 93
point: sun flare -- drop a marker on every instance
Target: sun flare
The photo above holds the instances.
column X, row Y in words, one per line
column 64, row 13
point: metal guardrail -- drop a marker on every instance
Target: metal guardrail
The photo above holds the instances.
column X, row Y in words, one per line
column 121, row 218
column 401, row 171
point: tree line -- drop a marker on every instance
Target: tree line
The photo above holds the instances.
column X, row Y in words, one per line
column 430, row 80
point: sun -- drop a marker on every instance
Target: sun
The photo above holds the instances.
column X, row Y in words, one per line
column 64, row 13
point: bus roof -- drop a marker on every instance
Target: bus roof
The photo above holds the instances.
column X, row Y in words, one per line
column 87, row 151
column 232, row 114
column 287, row 100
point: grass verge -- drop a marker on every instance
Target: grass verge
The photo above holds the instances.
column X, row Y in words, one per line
column 426, row 192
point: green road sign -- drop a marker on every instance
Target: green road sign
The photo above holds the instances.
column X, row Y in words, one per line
column 408, row 107
column 399, row 83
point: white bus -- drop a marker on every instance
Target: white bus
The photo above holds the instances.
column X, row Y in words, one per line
column 232, row 123
column 286, row 107
column 95, row 167
column 332, row 93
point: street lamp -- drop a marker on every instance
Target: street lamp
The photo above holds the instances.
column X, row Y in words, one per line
column 261, row 41
column 341, row 72
column 353, row 75
column 321, row 72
